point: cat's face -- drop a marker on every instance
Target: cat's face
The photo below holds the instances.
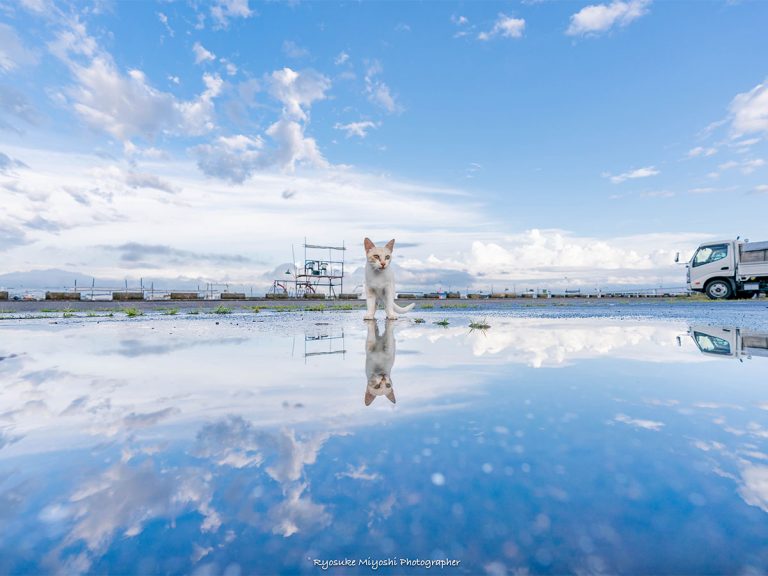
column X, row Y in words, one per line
column 379, row 385
column 378, row 258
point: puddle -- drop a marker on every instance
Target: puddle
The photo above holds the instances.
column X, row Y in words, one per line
column 539, row 444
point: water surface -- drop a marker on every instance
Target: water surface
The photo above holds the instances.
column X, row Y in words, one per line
column 171, row 445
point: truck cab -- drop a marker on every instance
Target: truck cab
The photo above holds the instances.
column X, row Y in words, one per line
column 729, row 269
column 729, row 342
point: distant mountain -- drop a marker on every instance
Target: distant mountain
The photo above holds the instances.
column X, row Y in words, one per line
column 51, row 278
column 56, row 279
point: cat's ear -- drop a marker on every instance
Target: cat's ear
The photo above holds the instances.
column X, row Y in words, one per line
column 369, row 398
column 391, row 245
column 391, row 395
column 368, row 244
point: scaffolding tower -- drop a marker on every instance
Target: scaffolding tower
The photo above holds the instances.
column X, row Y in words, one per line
column 322, row 272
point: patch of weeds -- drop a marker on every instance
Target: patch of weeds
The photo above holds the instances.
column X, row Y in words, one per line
column 67, row 315
column 444, row 322
column 194, row 312
column 479, row 325
column 48, row 310
column 221, row 309
column 419, row 320
column 315, row 308
column 110, row 315
column 91, row 314
column 254, row 309
column 285, row 308
column 133, row 312
column 345, row 307
column 426, row 306
column 171, row 312
column 462, row 305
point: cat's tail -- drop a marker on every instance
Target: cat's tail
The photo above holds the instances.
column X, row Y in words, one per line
column 403, row 310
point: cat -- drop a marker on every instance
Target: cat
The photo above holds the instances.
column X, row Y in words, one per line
column 380, row 281
column 379, row 359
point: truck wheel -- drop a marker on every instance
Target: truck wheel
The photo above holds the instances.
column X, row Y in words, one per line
column 719, row 290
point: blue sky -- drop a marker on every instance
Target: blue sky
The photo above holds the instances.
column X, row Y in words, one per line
column 502, row 141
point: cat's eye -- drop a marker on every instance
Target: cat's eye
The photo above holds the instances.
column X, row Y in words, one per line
column 377, row 386
column 387, row 257
column 377, row 257
column 389, row 385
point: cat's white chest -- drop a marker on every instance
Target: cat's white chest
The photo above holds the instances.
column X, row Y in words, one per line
column 378, row 281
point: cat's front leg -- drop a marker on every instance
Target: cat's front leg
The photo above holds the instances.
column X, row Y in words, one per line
column 371, row 303
column 373, row 334
column 389, row 299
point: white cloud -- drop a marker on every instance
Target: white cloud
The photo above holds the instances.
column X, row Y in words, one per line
column 639, row 423
column 761, row 189
column 754, row 487
column 701, row 151
column 293, row 50
column 164, row 21
column 632, row 174
column 298, row 90
column 359, row 129
column 358, row 473
column 229, row 66
column 293, row 147
column 127, row 105
column 233, row 158
column 657, row 194
column 13, row 54
column 144, row 180
column 8, row 164
column 460, row 20
column 745, row 166
column 749, row 112
column 598, row 18
column 378, row 91
column 201, row 54
column 506, row 27
column 703, row 190
column 224, row 10
column 341, row 58
column 329, row 203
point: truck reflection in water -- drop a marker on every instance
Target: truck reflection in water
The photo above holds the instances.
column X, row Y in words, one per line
column 732, row 342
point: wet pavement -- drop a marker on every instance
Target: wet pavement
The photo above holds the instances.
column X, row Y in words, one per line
column 592, row 440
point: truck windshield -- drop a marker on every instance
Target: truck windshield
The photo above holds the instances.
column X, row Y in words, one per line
column 707, row 254
column 711, row 344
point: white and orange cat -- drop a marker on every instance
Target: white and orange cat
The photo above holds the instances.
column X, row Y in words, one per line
column 379, row 359
column 380, row 281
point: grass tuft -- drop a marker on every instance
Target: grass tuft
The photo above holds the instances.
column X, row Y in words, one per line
column 419, row 320
column 133, row 312
column 221, row 309
column 444, row 322
column 315, row 308
column 479, row 325
column 171, row 312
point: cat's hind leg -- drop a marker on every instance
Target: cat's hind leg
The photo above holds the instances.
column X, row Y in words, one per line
column 389, row 304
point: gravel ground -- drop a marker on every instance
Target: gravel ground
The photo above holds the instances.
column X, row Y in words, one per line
column 751, row 314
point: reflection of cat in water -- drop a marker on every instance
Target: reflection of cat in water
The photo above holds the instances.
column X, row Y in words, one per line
column 379, row 358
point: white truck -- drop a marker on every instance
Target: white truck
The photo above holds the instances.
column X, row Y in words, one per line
column 729, row 269
column 729, row 342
